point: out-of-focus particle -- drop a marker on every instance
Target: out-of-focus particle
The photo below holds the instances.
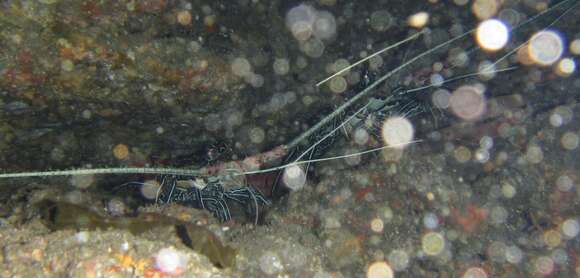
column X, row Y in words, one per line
column 398, row 132
column 121, row 151
column 82, row 181
column 380, row 270
column 433, row 243
column 399, row 259
column 150, row 188
column 565, row 67
column 569, row 140
column 377, row 225
column 270, row 263
column 338, row 84
column 474, row 272
column 575, row 47
column 184, row 17
column 484, row 9
column 281, row 66
column 546, row 47
column 552, row 238
column 570, row 228
column 381, row 20
column 543, row 265
column 418, row 20
column 468, row 102
column 462, row 154
column 171, row 262
column 492, row 34
column 67, row 65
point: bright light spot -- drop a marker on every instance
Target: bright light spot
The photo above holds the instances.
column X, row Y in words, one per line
column 433, row 243
column 481, row 155
column 171, row 261
column 468, row 102
column 474, row 272
column 484, row 9
column 377, row 225
column 380, row 270
column 418, row 20
column 565, row 67
column 492, row 35
column 294, row 177
column 546, row 47
column 398, row 132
